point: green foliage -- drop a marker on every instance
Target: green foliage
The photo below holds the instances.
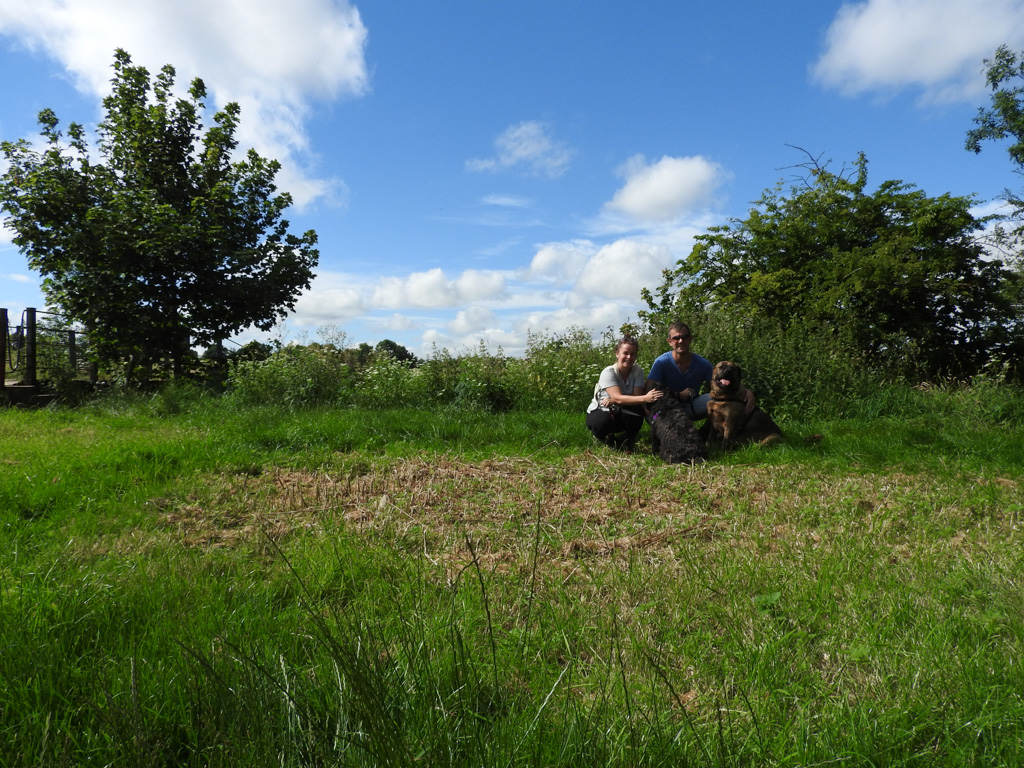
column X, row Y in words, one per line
column 1005, row 118
column 253, row 350
column 166, row 243
column 896, row 275
column 558, row 372
column 473, row 380
column 794, row 374
column 560, row 369
column 797, row 375
column 989, row 397
column 387, row 382
column 393, row 349
column 293, row 377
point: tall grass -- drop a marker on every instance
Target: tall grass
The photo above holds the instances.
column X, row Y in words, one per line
column 558, row 372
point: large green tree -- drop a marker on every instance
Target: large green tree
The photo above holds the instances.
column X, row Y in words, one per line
column 169, row 239
column 899, row 275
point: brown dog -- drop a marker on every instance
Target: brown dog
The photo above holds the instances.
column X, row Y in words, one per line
column 728, row 420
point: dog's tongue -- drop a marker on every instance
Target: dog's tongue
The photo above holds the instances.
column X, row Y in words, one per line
column 724, row 382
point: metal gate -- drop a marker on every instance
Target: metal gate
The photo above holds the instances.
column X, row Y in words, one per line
column 43, row 345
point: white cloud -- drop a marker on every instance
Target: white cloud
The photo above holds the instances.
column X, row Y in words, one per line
column 511, row 342
column 996, row 247
column 666, row 189
column 434, row 336
column 472, row 320
column 320, row 305
column 560, row 261
column 400, row 322
column 528, row 147
column 340, row 297
column 499, row 248
column 273, row 58
column 457, row 312
column 596, row 318
column 433, row 289
column 621, row 270
column 507, row 201
column 992, row 207
column 936, row 45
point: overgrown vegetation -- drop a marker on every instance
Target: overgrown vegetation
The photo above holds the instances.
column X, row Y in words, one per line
column 557, row 373
column 190, row 581
column 793, row 373
column 901, row 280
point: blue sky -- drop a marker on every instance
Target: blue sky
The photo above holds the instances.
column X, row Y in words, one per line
column 480, row 170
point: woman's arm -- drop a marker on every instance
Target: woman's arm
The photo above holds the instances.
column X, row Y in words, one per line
column 638, row 397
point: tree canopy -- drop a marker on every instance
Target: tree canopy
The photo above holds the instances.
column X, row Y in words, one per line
column 899, row 275
column 170, row 239
column 1004, row 120
column 395, row 351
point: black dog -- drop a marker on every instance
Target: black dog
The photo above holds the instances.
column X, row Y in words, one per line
column 673, row 436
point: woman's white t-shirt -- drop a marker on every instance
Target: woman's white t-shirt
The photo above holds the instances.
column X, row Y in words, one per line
column 610, row 378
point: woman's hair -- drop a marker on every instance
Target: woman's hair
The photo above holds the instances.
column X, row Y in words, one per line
column 627, row 340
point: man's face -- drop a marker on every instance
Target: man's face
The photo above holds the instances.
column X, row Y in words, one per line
column 679, row 341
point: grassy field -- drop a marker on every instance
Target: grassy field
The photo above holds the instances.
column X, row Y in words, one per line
column 190, row 583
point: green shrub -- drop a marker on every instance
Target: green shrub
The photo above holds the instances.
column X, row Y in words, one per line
column 294, row 376
column 793, row 373
column 483, row 382
column 385, row 382
column 988, row 399
column 477, row 380
column 559, row 370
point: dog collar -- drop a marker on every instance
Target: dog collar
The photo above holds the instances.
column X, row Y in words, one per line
column 727, row 399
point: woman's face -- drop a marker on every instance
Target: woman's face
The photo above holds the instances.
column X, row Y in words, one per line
column 625, row 356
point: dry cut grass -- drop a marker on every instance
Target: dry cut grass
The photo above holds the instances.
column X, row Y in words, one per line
column 601, row 506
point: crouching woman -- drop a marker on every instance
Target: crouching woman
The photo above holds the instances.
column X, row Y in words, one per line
column 616, row 413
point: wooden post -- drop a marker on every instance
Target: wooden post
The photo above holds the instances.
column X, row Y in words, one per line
column 30, row 347
column 72, row 357
column 4, row 328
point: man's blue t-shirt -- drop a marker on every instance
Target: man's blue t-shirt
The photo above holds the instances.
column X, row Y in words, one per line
column 667, row 372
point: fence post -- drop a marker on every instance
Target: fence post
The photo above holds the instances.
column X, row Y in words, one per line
column 30, row 346
column 72, row 356
column 4, row 330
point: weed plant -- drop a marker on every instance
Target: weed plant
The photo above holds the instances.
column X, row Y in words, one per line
column 557, row 373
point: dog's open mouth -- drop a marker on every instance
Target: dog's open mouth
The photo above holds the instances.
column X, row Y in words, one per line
column 724, row 382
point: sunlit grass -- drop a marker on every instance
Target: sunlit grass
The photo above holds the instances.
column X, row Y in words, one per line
column 192, row 584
